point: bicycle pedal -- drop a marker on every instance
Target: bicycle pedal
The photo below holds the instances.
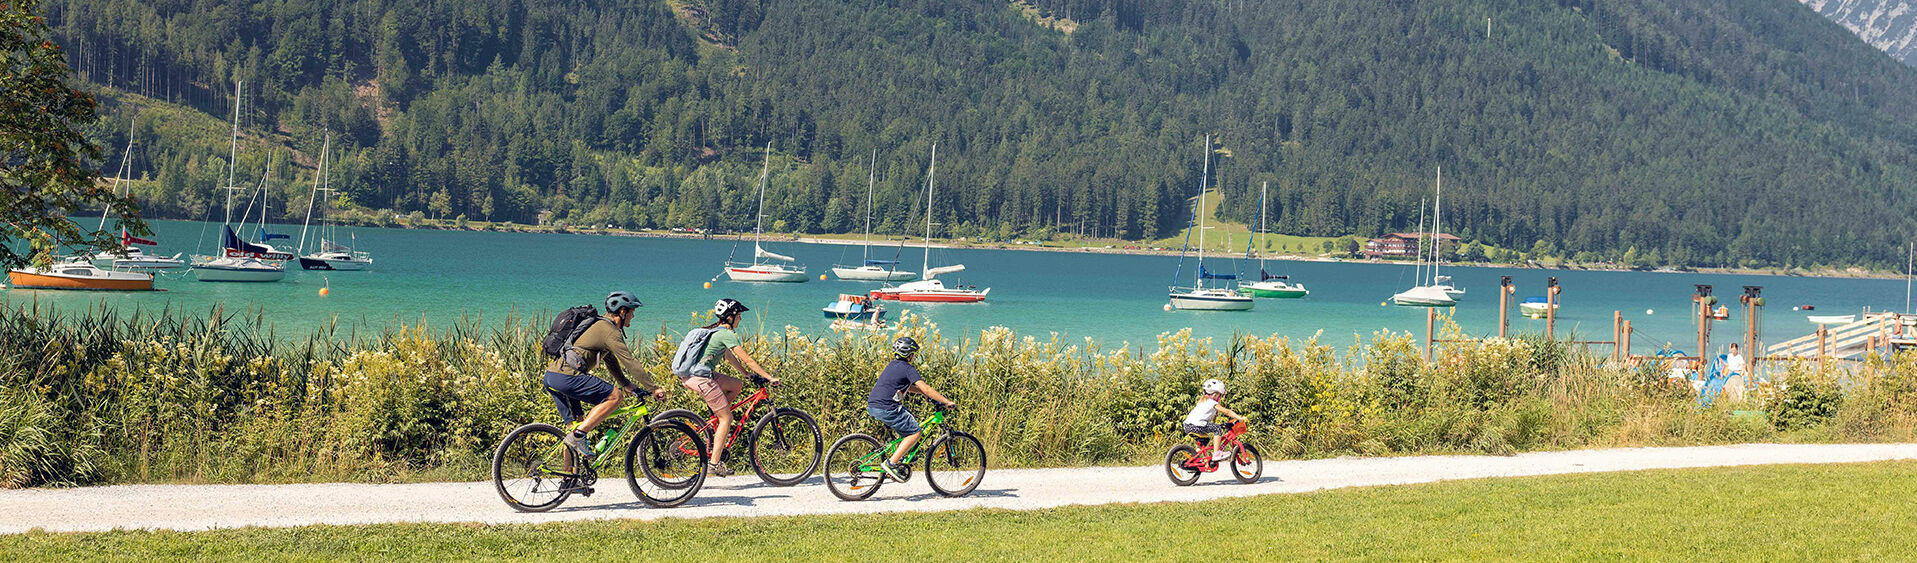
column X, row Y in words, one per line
column 585, row 491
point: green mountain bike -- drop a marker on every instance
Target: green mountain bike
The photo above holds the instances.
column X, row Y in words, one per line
column 534, row 471
column 954, row 463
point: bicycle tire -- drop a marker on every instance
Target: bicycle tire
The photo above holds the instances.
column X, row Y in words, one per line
column 525, row 451
column 954, row 455
column 1257, row 462
column 847, row 482
column 673, row 474
column 782, row 425
column 1175, row 465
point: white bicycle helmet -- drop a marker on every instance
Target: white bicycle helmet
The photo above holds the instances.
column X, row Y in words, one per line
column 1214, row 386
column 727, row 307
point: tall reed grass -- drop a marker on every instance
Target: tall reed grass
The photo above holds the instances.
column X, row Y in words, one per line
column 104, row 396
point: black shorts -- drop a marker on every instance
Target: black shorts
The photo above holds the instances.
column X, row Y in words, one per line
column 568, row 390
column 1204, row 429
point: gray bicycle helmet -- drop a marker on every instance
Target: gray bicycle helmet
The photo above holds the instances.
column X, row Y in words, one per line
column 621, row 300
column 727, row 307
column 905, row 346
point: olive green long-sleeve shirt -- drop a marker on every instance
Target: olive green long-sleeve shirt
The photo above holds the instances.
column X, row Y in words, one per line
column 602, row 340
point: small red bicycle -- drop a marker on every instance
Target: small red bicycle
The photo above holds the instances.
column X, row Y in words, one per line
column 1185, row 461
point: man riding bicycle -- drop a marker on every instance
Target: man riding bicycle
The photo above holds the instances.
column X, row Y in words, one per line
column 568, row 378
column 719, row 390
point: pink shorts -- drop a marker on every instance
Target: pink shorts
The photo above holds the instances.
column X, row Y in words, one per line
column 712, row 390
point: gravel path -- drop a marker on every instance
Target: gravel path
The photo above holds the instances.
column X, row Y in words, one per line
column 200, row 507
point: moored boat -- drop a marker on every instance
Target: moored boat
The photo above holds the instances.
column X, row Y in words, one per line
column 870, row 269
column 765, row 266
column 1536, row 307
column 331, row 255
column 1268, row 285
column 854, row 307
column 931, row 290
column 78, row 274
column 1423, row 296
column 1210, row 299
column 1201, row 297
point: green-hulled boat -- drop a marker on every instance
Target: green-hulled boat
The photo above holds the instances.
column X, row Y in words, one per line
column 1279, row 287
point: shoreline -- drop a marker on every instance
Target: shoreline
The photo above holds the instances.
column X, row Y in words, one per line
column 1137, row 249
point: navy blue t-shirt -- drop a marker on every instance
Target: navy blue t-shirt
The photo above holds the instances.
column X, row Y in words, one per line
column 897, row 376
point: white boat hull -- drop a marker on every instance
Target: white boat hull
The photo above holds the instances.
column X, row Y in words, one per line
column 1220, row 300
column 765, row 274
column 873, row 273
column 1424, row 296
column 227, row 270
column 1534, row 310
column 337, row 264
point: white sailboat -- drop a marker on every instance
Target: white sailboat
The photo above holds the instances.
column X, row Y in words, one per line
column 931, row 290
column 765, row 266
column 330, row 255
column 868, row 268
column 1434, row 294
column 1202, row 297
column 1269, row 285
column 130, row 257
column 238, row 261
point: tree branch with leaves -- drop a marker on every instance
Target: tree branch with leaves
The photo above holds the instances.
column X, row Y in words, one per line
column 48, row 169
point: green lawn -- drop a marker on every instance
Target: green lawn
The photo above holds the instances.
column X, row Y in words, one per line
column 1854, row 511
column 1228, row 237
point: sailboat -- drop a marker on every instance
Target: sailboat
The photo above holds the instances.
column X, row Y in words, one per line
column 930, row 290
column 1268, row 285
column 129, row 256
column 1202, row 297
column 870, row 269
column 765, row 266
column 330, row 255
column 1433, row 294
column 238, row 261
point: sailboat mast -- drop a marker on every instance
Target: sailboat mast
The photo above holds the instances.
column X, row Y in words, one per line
column 126, row 161
column 1437, row 218
column 765, row 171
column 931, row 184
column 871, row 176
column 1263, row 190
column 1204, row 179
column 327, row 146
column 233, row 152
column 1418, row 266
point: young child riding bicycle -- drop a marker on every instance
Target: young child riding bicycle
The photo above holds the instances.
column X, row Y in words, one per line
column 1199, row 423
column 883, row 403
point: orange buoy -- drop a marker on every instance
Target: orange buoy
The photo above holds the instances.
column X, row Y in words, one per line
column 708, row 285
column 324, row 291
column 821, row 277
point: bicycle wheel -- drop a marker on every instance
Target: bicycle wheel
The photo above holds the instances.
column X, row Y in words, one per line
column 786, row 447
column 852, row 467
column 530, row 468
column 955, row 465
column 1175, row 465
column 1248, row 464
column 666, row 463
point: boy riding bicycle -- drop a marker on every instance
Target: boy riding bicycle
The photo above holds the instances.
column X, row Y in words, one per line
column 899, row 378
column 1199, row 423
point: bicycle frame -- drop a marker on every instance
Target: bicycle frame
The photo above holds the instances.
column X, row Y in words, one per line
column 624, row 419
column 742, row 412
column 1201, row 460
column 937, row 421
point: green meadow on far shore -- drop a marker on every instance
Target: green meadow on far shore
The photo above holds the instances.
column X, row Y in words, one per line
column 1789, row 512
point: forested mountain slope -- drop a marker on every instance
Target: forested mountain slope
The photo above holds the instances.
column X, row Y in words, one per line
column 1890, row 25
column 1699, row 131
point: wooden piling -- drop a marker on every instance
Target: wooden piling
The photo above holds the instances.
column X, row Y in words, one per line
column 1430, row 324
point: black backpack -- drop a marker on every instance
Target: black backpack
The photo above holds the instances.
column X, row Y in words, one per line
column 566, row 328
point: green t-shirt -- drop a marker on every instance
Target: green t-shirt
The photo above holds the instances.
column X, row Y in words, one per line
column 722, row 339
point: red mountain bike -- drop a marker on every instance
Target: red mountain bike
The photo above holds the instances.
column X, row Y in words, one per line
column 785, row 443
column 1184, row 462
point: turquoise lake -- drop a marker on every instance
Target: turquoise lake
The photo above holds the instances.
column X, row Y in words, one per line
column 438, row 276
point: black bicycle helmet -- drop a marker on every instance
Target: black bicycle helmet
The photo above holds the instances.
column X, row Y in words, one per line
column 726, row 308
column 905, row 347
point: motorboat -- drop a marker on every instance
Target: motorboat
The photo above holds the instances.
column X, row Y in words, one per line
column 929, row 290
column 79, row 274
column 854, row 307
column 1201, row 296
column 1536, row 307
column 1832, row 319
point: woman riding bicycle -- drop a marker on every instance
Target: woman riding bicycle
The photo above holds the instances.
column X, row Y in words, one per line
column 718, row 389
